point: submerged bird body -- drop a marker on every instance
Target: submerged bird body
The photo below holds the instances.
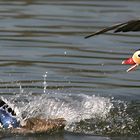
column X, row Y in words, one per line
column 12, row 125
column 40, row 125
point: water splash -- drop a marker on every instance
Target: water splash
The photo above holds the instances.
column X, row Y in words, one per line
column 83, row 113
column 21, row 90
column 117, row 122
column 72, row 108
column 45, row 82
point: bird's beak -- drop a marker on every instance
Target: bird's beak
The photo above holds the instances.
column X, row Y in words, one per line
column 130, row 61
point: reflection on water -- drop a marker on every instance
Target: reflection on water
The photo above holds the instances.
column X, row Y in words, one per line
column 68, row 137
column 38, row 137
column 39, row 36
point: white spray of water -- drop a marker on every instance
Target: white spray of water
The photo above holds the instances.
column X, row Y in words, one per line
column 72, row 108
column 45, row 82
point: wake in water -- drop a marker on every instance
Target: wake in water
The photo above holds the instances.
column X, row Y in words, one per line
column 83, row 113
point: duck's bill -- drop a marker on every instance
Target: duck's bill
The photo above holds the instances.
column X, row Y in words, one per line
column 130, row 61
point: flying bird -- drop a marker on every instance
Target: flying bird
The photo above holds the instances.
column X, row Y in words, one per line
column 132, row 25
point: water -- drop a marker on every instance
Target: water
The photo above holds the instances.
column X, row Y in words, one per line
column 47, row 68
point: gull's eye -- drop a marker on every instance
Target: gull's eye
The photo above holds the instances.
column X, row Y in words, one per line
column 138, row 55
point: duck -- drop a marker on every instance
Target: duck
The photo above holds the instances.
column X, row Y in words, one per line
column 10, row 124
column 131, row 25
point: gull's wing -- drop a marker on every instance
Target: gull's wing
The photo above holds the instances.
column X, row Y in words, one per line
column 133, row 25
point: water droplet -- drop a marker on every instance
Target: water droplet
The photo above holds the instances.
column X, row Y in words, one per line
column 45, row 82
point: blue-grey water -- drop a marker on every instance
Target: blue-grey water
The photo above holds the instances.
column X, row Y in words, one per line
column 47, row 68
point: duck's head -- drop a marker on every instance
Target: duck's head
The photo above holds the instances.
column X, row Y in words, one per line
column 134, row 61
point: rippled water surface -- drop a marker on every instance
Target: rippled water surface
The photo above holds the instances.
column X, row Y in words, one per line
column 43, row 52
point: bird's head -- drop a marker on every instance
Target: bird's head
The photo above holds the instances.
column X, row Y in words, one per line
column 134, row 61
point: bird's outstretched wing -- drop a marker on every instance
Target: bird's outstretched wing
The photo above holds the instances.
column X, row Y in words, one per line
column 132, row 25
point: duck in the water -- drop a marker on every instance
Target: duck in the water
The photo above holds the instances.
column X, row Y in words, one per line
column 12, row 125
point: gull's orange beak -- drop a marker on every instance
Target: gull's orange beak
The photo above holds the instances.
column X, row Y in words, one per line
column 135, row 61
column 129, row 61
